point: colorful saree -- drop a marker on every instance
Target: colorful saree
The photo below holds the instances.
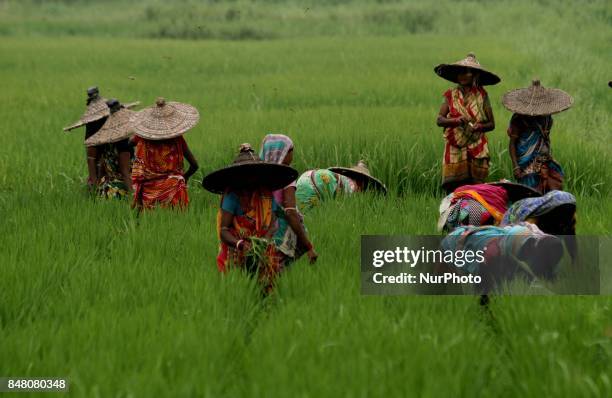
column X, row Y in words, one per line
column 157, row 173
column 253, row 218
column 494, row 241
column 466, row 153
column 111, row 184
column 316, row 186
column 534, row 156
column 274, row 149
column 525, row 209
column 479, row 204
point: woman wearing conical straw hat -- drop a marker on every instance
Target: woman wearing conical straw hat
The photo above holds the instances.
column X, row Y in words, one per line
column 94, row 117
column 466, row 116
column 111, row 142
column 529, row 133
column 291, row 236
column 246, row 221
column 318, row 185
column 157, row 172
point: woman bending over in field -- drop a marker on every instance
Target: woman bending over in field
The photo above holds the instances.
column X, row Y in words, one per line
column 157, row 173
column 319, row 185
column 291, row 237
column 480, row 204
column 246, row 221
column 554, row 213
column 529, row 133
column 466, row 116
column 115, row 153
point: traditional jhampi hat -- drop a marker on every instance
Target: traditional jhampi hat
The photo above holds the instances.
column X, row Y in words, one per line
column 450, row 71
column 516, row 191
column 96, row 109
column 164, row 120
column 248, row 171
column 116, row 128
column 537, row 100
column 361, row 172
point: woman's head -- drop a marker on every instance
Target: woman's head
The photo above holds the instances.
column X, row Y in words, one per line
column 467, row 77
column 277, row 148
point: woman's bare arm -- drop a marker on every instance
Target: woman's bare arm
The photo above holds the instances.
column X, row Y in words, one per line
column 193, row 164
column 126, row 170
column 444, row 121
column 227, row 237
column 293, row 219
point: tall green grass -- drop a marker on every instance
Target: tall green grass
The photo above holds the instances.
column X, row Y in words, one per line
column 135, row 307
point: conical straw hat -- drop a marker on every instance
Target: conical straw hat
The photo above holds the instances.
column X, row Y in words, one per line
column 361, row 172
column 96, row 110
column 116, row 128
column 450, row 71
column 537, row 100
column 249, row 171
column 164, row 120
column 516, row 191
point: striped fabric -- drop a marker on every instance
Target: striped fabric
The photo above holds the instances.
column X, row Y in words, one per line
column 466, row 155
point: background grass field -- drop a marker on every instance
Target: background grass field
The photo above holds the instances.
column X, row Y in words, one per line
column 136, row 308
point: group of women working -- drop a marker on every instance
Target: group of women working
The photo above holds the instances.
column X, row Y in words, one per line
column 516, row 223
column 260, row 220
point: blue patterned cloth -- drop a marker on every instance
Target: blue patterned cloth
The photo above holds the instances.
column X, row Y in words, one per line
column 535, row 207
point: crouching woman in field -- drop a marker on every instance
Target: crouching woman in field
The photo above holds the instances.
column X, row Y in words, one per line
column 554, row 213
column 157, row 172
column 319, row 185
column 246, row 220
column 518, row 250
column 291, row 236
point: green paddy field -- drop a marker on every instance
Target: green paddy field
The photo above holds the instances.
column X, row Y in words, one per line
column 136, row 308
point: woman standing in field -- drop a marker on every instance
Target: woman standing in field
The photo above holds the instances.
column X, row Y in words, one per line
column 93, row 119
column 115, row 163
column 291, row 237
column 316, row 186
column 529, row 133
column 157, row 172
column 466, row 116
column 246, row 221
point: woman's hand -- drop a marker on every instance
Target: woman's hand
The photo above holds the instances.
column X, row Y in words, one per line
column 517, row 172
column 459, row 121
column 243, row 245
column 312, row 255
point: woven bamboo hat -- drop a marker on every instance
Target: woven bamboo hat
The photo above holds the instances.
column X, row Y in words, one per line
column 516, row 191
column 249, row 171
column 116, row 128
column 537, row 100
column 96, row 109
column 164, row 120
column 361, row 172
column 450, row 71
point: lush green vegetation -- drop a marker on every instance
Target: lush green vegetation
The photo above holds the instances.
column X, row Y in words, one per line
column 126, row 307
